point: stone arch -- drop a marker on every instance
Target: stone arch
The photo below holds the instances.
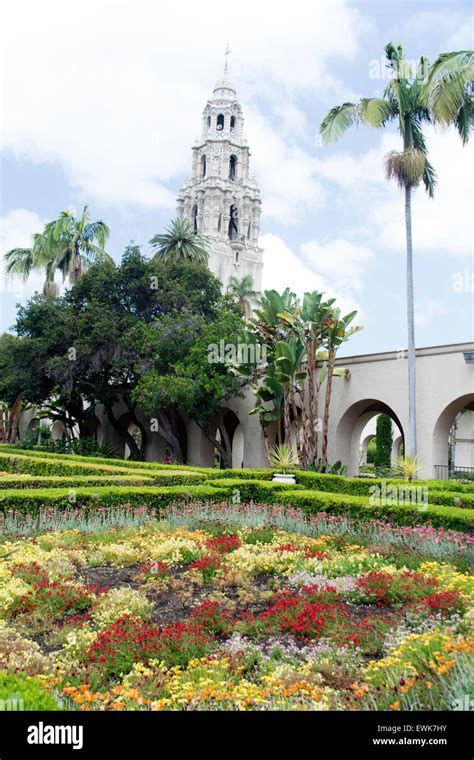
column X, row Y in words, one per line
column 441, row 431
column 351, row 425
column 363, row 448
column 58, row 431
column 134, row 430
column 203, row 165
column 396, row 449
column 220, row 122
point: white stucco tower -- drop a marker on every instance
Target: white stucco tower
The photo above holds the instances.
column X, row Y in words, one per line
column 221, row 200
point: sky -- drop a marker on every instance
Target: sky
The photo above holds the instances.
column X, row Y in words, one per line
column 101, row 103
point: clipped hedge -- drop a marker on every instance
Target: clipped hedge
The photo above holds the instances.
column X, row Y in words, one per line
column 66, row 481
column 153, row 497
column 356, row 506
column 362, row 486
column 42, row 466
column 254, row 490
column 109, row 461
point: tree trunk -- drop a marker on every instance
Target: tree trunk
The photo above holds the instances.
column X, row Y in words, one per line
column 286, row 414
column 224, row 446
column 327, row 401
column 411, row 330
column 12, row 429
column 313, row 402
column 296, row 423
column 142, row 429
column 263, row 425
column 305, row 430
column 168, row 432
column 124, row 434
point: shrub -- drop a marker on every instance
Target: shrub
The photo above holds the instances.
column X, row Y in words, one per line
column 31, row 500
column 28, row 691
column 384, row 439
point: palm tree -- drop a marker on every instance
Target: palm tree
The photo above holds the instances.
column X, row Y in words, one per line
column 181, row 243
column 242, row 291
column 22, row 261
column 67, row 244
column 411, row 102
column 76, row 242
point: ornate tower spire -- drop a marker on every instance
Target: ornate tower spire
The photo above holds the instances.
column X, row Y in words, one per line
column 221, row 200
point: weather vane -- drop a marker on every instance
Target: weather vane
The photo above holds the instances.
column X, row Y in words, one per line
column 226, row 53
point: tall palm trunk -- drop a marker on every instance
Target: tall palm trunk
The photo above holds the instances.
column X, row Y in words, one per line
column 286, row 414
column 411, row 330
column 327, row 402
column 313, row 402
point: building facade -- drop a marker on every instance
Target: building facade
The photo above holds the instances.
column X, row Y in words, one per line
column 222, row 200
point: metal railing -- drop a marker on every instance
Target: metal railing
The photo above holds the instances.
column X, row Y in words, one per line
column 448, row 471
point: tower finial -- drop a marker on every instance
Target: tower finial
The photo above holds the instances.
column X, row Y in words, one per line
column 226, row 53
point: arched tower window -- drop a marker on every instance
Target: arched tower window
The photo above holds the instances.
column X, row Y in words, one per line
column 219, row 223
column 208, row 121
column 195, row 218
column 220, row 122
column 203, row 165
column 234, row 223
column 232, row 122
column 232, row 167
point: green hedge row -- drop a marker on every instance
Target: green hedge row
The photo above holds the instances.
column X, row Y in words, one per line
column 362, row 486
column 254, row 490
column 356, row 506
column 311, row 501
column 67, row 481
column 108, row 461
column 31, row 500
column 346, row 504
column 24, row 464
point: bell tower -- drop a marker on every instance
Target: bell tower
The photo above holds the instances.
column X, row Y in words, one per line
column 221, row 200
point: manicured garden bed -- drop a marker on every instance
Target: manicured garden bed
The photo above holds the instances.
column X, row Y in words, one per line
column 34, row 479
column 232, row 607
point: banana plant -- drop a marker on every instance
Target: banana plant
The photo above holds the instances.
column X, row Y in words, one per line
column 290, row 371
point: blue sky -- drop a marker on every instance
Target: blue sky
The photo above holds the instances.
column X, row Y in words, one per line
column 102, row 102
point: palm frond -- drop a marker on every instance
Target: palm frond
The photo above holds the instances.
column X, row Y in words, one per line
column 338, row 121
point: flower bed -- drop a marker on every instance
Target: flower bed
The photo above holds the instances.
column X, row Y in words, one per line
column 235, row 608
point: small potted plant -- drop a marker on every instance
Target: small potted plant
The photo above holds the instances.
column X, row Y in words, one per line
column 284, row 458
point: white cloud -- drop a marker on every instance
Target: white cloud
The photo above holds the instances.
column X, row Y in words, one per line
column 115, row 95
column 342, row 261
column 283, row 268
column 443, row 224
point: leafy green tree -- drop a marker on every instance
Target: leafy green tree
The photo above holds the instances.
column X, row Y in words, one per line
column 180, row 243
column 412, row 100
column 384, row 439
column 116, row 328
column 181, row 374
